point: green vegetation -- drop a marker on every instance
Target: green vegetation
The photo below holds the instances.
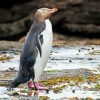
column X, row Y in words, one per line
column 97, row 86
column 4, row 57
column 44, row 98
column 59, row 89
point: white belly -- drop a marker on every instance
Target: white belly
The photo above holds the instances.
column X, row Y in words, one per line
column 46, row 49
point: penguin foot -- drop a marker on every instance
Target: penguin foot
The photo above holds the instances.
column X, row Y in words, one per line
column 38, row 87
column 30, row 84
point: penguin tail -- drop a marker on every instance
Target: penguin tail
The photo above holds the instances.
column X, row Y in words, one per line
column 20, row 79
column 15, row 83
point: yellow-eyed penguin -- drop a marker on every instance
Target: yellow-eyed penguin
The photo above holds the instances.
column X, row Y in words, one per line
column 36, row 50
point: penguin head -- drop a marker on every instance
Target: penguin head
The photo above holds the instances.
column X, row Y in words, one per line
column 44, row 13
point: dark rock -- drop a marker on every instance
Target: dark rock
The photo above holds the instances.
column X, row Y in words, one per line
column 10, row 74
column 15, row 94
column 10, row 3
column 14, row 29
column 79, row 50
column 74, row 17
column 73, row 91
column 90, row 58
column 70, row 61
column 15, row 21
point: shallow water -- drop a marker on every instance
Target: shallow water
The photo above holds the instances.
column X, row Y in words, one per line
column 69, row 57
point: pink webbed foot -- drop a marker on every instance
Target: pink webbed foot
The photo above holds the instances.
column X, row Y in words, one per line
column 38, row 87
column 30, row 84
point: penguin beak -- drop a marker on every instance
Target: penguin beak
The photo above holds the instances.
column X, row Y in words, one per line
column 53, row 10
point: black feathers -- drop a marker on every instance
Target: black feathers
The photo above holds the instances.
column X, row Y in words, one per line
column 39, row 44
column 29, row 53
column 41, row 38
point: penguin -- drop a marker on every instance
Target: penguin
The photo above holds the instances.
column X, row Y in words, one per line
column 36, row 50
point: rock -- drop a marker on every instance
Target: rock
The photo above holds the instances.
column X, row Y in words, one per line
column 73, row 91
column 22, row 40
column 15, row 29
column 70, row 61
column 90, row 58
column 77, row 16
column 15, row 21
column 10, row 74
column 9, row 3
column 10, row 45
column 73, row 17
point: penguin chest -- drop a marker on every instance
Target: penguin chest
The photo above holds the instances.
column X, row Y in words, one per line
column 47, row 42
column 46, row 46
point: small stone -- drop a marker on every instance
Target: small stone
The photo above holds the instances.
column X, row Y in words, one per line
column 3, row 62
column 47, row 91
column 79, row 50
column 70, row 61
column 73, row 91
column 12, row 68
column 90, row 59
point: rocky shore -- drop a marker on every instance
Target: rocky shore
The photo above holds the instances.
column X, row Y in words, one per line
column 59, row 40
column 74, row 17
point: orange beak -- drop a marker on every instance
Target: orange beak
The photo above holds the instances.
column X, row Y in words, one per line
column 53, row 10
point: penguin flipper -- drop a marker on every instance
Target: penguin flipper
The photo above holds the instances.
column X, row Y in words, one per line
column 39, row 43
column 41, row 39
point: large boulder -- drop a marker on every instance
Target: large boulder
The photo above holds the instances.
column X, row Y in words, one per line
column 15, row 21
column 80, row 17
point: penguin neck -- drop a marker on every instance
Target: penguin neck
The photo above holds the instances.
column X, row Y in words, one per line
column 38, row 23
column 48, row 25
column 47, row 21
column 37, row 26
